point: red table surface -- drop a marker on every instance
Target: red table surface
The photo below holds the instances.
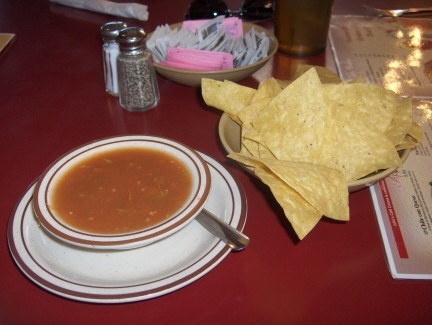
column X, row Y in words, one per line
column 52, row 99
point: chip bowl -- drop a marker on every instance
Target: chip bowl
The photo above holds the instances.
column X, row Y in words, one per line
column 230, row 136
column 193, row 78
column 190, row 207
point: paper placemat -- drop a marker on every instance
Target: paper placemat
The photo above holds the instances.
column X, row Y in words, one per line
column 403, row 205
column 394, row 53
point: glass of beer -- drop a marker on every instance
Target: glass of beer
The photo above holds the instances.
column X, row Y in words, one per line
column 301, row 26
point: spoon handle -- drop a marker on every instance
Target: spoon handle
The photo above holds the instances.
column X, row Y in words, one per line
column 231, row 236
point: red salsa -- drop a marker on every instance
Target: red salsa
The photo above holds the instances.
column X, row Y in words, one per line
column 121, row 191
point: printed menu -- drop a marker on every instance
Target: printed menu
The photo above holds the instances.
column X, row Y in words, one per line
column 403, row 205
column 397, row 54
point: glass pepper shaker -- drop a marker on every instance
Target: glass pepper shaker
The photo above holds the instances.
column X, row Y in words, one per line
column 110, row 51
column 138, row 88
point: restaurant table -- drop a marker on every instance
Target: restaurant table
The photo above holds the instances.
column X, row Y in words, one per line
column 52, row 99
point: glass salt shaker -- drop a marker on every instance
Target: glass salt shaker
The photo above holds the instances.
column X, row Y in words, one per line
column 138, row 88
column 110, row 51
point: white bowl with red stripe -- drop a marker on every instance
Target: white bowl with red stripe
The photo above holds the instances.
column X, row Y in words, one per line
column 194, row 203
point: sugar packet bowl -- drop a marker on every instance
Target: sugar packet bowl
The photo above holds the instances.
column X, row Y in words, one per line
column 220, row 49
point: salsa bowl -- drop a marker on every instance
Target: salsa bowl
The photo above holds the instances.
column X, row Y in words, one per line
column 122, row 192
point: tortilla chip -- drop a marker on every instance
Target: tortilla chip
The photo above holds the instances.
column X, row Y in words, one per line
column 324, row 188
column 357, row 80
column 265, row 93
column 416, row 131
column 407, row 143
column 265, row 153
column 226, row 96
column 293, row 123
column 269, row 88
column 402, row 121
column 325, row 75
column 244, row 150
column 284, row 83
column 252, row 110
column 355, row 147
column 370, row 103
column 252, row 134
column 247, row 144
column 302, row 216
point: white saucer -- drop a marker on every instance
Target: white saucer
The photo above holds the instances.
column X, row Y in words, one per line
column 130, row 275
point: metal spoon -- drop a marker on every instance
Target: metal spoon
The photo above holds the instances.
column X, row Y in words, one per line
column 231, row 236
column 395, row 12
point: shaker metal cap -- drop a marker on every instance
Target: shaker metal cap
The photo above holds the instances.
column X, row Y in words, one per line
column 111, row 29
column 131, row 38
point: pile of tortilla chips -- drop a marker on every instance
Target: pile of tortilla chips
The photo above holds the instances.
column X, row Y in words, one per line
column 308, row 137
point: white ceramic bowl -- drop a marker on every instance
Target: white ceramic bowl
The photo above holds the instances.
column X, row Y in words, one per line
column 193, row 78
column 230, row 136
column 43, row 194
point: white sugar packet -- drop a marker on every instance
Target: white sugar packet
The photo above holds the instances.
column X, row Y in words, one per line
column 128, row 10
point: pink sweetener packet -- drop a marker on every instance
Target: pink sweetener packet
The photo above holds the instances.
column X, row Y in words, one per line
column 187, row 66
column 209, row 60
column 180, row 51
column 204, row 65
column 183, row 66
column 232, row 25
